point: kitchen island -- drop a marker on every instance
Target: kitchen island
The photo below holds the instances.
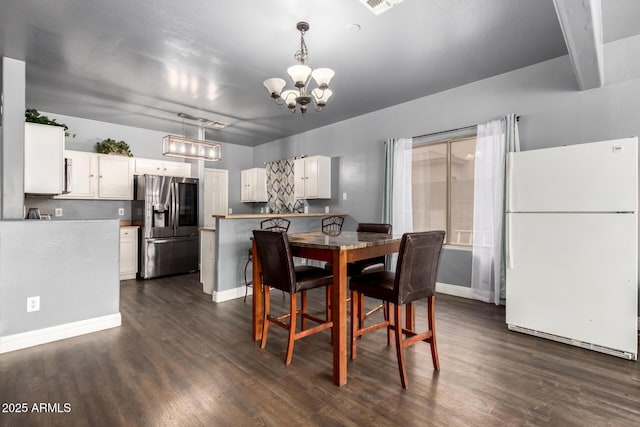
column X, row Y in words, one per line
column 233, row 241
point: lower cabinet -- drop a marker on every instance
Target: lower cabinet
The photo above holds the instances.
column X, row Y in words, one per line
column 207, row 259
column 128, row 252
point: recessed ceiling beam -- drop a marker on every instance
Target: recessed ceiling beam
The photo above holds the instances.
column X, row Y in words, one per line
column 581, row 23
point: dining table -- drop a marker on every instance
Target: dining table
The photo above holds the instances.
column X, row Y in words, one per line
column 337, row 249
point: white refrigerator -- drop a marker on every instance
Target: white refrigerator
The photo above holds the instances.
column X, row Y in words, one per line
column 572, row 245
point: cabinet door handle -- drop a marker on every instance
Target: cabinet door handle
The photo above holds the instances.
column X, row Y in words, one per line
column 91, row 176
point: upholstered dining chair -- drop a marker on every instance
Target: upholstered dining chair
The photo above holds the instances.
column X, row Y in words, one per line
column 278, row 271
column 413, row 280
column 364, row 266
column 271, row 224
column 332, row 225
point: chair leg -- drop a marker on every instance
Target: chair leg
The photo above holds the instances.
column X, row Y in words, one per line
column 387, row 316
column 247, row 283
column 360, row 311
column 303, row 319
column 355, row 306
column 292, row 330
column 265, row 322
column 327, row 293
column 432, row 327
column 400, row 345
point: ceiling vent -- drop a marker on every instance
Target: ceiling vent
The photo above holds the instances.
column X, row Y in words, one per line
column 379, row 6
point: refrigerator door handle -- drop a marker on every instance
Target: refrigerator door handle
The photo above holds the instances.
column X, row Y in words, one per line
column 176, row 205
column 509, row 243
column 509, row 179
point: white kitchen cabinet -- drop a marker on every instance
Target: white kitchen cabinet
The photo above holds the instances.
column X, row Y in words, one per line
column 254, row 185
column 312, row 177
column 99, row 176
column 84, row 172
column 207, row 259
column 128, row 252
column 115, row 180
column 43, row 159
column 161, row 167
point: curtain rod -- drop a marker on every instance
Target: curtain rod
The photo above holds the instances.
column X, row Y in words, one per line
column 453, row 130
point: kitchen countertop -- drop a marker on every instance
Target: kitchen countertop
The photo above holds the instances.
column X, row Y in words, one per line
column 274, row 215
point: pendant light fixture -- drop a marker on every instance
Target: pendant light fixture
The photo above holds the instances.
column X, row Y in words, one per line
column 302, row 74
column 187, row 148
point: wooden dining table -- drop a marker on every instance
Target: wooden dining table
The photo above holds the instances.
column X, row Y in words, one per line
column 340, row 249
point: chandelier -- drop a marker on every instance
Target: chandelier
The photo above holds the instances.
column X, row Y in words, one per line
column 302, row 74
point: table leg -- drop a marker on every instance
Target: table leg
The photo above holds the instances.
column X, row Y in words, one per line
column 258, row 309
column 339, row 316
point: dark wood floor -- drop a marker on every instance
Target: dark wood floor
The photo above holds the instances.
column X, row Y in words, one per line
column 179, row 359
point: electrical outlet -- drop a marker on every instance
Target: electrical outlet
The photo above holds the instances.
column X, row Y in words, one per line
column 58, row 212
column 33, row 304
column 344, row 196
column 120, row 211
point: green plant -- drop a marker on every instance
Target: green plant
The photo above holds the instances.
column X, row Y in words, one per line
column 33, row 116
column 109, row 145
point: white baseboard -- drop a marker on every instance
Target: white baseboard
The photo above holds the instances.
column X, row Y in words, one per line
column 455, row 290
column 229, row 294
column 42, row 336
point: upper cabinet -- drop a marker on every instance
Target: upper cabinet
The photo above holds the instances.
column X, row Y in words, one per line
column 254, row 185
column 43, row 159
column 312, row 177
column 161, row 167
column 99, row 176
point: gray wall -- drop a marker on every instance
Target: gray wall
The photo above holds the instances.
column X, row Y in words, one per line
column 72, row 265
column 553, row 112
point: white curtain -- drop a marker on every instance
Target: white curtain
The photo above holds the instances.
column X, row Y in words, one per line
column 494, row 140
column 397, row 209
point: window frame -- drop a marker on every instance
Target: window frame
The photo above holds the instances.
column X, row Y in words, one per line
column 448, row 138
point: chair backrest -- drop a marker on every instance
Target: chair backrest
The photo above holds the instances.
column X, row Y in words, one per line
column 371, row 227
column 332, row 225
column 275, row 224
column 276, row 259
column 417, row 266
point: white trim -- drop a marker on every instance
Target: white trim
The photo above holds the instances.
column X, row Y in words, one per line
column 42, row 336
column 229, row 294
column 455, row 290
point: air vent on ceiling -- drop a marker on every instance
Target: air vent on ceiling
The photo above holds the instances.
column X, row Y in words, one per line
column 379, row 6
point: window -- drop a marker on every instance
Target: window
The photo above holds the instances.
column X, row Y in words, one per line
column 442, row 186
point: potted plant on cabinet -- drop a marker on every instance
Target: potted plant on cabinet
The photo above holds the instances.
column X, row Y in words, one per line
column 33, row 116
column 111, row 146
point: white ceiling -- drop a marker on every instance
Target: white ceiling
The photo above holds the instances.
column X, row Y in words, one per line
column 139, row 63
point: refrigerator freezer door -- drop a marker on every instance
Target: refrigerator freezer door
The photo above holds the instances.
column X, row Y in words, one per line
column 574, row 276
column 594, row 177
column 161, row 257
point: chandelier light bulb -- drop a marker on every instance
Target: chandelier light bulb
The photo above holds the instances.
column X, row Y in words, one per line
column 274, row 86
column 299, row 74
column 322, row 76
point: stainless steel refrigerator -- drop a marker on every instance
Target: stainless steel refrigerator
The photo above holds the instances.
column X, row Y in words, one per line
column 167, row 212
